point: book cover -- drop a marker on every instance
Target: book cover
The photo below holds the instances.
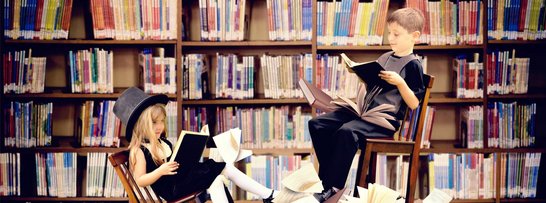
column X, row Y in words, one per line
column 188, row 149
column 367, row 72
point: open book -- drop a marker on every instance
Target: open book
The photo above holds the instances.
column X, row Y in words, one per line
column 367, row 72
column 320, row 100
column 188, row 149
column 228, row 147
column 378, row 193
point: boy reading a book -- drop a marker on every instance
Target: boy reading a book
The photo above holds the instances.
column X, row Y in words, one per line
column 337, row 135
column 144, row 117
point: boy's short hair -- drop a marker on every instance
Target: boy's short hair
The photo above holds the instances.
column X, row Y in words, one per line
column 410, row 19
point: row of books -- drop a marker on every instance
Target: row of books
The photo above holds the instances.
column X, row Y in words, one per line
column 158, row 72
column 195, row 76
column 511, row 125
column 56, row 174
column 450, row 23
column 464, row 176
column 134, row 20
column 519, row 175
column 224, row 20
column 334, row 78
column 10, row 178
column 471, row 127
column 271, row 170
column 97, row 125
column 234, row 77
column 194, row 118
column 469, row 76
column 507, row 74
column 280, row 74
column 273, row 127
column 23, row 73
column 171, row 131
column 516, row 20
column 289, row 20
column 91, row 70
column 37, row 19
column 406, row 135
column 27, row 124
column 102, row 180
column 351, row 22
column 392, row 175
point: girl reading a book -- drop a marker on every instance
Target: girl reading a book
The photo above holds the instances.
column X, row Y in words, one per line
column 144, row 117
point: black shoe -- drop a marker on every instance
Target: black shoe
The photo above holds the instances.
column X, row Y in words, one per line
column 324, row 195
column 269, row 199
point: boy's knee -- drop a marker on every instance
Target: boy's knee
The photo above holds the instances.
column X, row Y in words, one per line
column 347, row 132
column 313, row 123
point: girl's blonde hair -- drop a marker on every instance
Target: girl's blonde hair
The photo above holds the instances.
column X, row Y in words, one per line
column 144, row 130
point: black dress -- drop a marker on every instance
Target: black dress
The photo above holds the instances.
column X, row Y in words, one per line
column 171, row 187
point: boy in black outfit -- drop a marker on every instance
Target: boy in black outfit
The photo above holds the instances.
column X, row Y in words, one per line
column 337, row 135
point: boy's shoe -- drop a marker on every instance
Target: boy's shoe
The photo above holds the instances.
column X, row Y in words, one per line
column 324, row 195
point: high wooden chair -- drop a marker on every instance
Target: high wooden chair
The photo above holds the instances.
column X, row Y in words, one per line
column 374, row 146
column 120, row 162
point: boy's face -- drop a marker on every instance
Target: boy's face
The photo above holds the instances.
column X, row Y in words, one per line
column 400, row 40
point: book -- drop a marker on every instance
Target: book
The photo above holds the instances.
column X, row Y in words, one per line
column 367, row 72
column 320, row 100
column 228, row 147
column 188, row 149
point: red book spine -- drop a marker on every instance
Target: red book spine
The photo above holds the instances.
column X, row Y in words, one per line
column 38, row 21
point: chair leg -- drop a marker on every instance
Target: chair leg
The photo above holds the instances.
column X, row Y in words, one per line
column 362, row 182
column 373, row 167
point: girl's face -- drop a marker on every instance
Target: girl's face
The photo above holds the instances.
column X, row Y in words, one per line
column 159, row 125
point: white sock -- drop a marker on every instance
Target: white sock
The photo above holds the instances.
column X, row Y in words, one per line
column 216, row 190
column 246, row 183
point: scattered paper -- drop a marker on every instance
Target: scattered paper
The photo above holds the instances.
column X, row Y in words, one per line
column 437, row 196
column 300, row 185
column 228, row 147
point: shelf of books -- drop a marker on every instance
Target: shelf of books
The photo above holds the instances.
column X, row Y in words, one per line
column 237, row 63
column 90, row 42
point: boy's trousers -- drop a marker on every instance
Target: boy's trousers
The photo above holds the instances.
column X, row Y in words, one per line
column 336, row 137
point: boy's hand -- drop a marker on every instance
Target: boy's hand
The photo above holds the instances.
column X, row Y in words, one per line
column 168, row 168
column 391, row 77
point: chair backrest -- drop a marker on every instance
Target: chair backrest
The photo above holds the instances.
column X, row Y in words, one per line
column 414, row 159
column 120, row 161
column 416, row 118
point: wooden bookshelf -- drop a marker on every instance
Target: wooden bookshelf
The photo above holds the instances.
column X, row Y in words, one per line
column 388, row 48
column 90, row 42
column 62, row 96
column 247, row 44
column 449, row 146
column 516, row 42
column 243, row 101
column 256, row 45
column 65, row 199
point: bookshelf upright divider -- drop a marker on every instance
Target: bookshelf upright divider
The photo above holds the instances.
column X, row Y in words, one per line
column 256, row 44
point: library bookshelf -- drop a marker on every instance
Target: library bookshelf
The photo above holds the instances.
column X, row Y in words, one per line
column 444, row 135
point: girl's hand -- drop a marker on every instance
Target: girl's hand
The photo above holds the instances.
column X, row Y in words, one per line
column 391, row 77
column 168, row 168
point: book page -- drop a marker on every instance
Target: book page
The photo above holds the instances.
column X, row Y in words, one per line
column 228, row 144
column 350, row 62
column 351, row 104
column 304, row 179
column 287, row 195
column 437, row 196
